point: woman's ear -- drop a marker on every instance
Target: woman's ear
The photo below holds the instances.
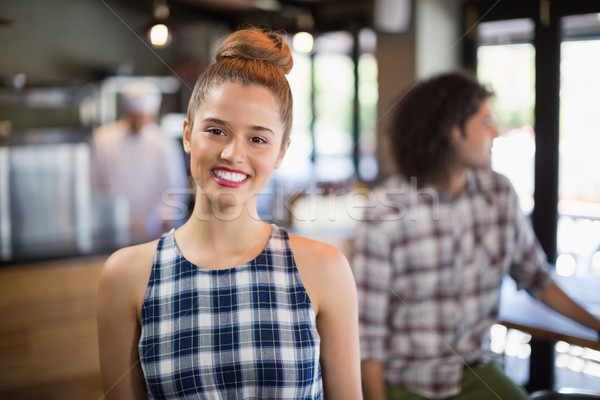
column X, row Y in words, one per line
column 282, row 154
column 187, row 137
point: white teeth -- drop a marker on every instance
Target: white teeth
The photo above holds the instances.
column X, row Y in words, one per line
column 230, row 176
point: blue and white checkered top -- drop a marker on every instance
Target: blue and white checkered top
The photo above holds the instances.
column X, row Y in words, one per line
column 247, row 332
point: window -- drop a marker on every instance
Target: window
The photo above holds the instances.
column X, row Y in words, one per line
column 506, row 63
column 542, row 60
column 331, row 144
column 323, row 85
column 578, row 232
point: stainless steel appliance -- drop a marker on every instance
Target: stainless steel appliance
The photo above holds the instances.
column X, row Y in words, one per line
column 45, row 199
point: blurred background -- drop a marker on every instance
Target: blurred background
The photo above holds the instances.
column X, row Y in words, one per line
column 65, row 64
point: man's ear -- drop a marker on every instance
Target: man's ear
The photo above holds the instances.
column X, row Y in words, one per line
column 282, row 154
column 458, row 135
column 187, row 137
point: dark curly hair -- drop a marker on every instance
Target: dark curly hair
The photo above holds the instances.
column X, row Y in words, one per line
column 421, row 129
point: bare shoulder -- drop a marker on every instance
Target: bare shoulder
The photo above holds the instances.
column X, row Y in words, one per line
column 323, row 269
column 314, row 254
column 131, row 259
column 126, row 271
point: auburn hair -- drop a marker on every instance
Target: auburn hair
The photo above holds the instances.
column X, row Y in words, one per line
column 250, row 56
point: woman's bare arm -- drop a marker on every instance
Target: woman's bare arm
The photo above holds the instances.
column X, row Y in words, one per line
column 329, row 282
column 120, row 293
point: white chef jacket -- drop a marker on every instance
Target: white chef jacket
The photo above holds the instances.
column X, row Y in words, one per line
column 147, row 170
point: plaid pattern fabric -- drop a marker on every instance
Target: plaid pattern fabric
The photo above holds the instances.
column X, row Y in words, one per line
column 429, row 270
column 247, row 332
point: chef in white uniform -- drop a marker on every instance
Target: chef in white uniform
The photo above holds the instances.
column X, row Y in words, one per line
column 133, row 160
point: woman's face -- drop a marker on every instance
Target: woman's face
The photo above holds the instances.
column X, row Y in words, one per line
column 235, row 144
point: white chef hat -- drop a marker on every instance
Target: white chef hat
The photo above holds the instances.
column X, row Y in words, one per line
column 141, row 97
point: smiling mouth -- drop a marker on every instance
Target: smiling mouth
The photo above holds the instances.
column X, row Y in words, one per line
column 230, row 176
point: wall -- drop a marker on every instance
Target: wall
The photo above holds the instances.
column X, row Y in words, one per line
column 437, row 36
column 430, row 45
column 396, row 62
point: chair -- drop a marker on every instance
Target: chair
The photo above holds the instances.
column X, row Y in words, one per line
column 564, row 394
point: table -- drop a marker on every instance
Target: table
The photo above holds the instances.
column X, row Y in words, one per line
column 520, row 311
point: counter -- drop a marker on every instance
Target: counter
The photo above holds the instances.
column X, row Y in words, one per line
column 48, row 341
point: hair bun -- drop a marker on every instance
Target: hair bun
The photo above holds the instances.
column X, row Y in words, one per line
column 257, row 44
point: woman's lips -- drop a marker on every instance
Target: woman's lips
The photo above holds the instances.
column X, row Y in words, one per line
column 229, row 177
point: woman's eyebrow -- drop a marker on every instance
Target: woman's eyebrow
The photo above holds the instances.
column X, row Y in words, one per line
column 216, row 121
column 261, row 129
column 219, row 121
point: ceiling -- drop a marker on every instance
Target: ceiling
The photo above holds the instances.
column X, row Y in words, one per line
column 291, row 15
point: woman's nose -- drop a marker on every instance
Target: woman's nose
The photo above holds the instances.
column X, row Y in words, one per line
column 234, row 150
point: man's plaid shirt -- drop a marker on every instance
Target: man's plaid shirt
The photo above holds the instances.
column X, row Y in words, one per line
column 429, row 271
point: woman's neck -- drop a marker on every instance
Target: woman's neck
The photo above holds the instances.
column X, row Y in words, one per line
column 229, row 237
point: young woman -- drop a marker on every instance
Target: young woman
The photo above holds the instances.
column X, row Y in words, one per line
column 228, row 306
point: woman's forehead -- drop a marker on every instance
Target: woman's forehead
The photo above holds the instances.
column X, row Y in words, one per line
column 230, row 101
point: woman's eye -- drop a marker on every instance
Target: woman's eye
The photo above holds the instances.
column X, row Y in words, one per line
column 256, row 139
column 215, row 131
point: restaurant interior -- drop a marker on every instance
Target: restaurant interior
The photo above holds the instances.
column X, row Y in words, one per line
column 65, row 64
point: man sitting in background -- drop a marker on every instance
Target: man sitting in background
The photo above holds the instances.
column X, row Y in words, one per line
column 432, row 254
